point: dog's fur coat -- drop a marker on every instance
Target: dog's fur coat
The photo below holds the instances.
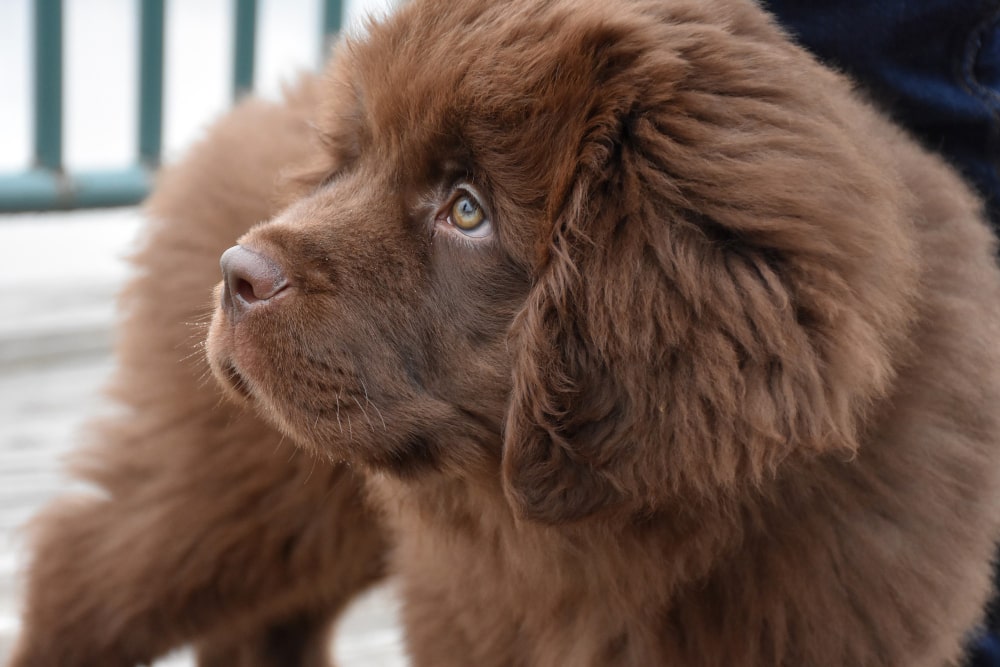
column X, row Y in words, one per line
column 719, row 387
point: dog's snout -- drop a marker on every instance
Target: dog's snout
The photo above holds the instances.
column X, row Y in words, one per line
column 249, row 279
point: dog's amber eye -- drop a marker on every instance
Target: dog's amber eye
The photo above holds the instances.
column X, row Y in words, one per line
column 467, row 214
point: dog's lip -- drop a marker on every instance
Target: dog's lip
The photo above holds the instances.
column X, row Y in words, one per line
column 235, row 379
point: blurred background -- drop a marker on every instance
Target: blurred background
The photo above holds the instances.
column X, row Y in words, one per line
column 60, row 269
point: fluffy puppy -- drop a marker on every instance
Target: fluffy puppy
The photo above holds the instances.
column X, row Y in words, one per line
column 648, row 341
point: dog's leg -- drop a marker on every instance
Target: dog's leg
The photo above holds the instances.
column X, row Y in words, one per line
column 207, row 524
column 218, row 539
column 301, row 640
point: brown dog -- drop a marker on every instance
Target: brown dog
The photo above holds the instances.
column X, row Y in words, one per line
column 650, row 342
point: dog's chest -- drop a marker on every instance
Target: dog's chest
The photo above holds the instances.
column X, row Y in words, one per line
column 496, row 587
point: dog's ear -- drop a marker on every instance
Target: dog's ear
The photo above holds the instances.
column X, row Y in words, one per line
column 723, row 290
column 567, row 410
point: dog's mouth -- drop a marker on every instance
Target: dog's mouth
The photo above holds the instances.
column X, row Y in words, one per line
column 222, row 360
column 234, row 380
column 246, row 377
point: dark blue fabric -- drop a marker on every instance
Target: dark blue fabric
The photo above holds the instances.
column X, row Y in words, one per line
column 985, row 651
column 933, row 64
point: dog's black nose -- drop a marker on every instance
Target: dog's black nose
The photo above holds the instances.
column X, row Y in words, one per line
column 249, row 279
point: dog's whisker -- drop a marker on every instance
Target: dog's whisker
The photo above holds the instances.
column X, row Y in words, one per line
column 204, row 379
column 339, row 423
column 277, row 445
column 381, row 418
column 199, row 352
column 312, row 469
column 368, row 400
column 364, row 412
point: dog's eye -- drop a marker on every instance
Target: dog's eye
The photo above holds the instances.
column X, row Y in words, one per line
column 468, row 216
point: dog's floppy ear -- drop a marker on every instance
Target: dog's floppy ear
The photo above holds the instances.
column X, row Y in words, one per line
column 722, row 291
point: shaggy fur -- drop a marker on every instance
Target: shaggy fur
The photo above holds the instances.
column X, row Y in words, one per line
column 718, row 389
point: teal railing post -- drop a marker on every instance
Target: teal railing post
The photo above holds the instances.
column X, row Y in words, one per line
column 151, row 29
column 333, row 20
column 48, row 84
column 47, row 184
column 243, row 47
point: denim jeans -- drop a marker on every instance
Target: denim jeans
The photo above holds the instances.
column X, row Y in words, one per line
column 934, row 65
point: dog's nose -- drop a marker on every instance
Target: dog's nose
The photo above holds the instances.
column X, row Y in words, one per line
column 249, row 279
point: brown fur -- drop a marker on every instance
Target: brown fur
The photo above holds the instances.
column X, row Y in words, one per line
column 720, row 389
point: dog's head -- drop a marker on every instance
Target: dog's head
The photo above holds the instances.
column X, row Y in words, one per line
column 618, row 251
